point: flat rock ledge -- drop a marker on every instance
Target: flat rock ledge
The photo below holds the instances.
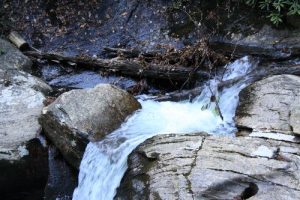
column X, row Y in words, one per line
column 198, row 166
column 80, row 116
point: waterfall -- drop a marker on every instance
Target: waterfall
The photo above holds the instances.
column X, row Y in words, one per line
column 105, row 162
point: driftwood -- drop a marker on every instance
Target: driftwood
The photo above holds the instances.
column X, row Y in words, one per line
column 179, row 95
column 17, row 40
column 125, row 67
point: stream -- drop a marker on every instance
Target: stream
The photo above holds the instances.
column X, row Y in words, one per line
column 105, row 162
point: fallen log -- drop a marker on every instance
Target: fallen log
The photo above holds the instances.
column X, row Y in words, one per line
column 125, row 67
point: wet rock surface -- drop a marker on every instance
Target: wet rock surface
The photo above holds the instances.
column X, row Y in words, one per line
column 198, row 166
column 25, row 177
column 102, row 23
column 89, row 79
column 62, row 179
column 78, row 116
column 271, row 105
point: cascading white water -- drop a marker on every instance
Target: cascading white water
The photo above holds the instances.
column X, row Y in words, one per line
column 105, row 162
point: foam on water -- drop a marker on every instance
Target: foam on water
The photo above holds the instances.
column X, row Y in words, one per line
column 105, row 162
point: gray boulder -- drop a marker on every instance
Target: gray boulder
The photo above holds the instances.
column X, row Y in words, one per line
column 12, row 58
column 271, row 105
column 79, row 116
column 20, row 108
column 21, row 103
column 198, row 166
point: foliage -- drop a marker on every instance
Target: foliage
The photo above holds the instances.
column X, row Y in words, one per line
column 276, row 9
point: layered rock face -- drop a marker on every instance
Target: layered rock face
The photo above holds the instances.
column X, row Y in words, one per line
column 198, row 166
column 271, row 105
column 79, row 116
column 23, row 159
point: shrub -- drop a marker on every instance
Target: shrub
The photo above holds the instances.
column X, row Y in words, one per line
column 277, row 9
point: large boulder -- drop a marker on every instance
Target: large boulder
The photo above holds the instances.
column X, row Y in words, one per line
column 271, row 105
column 23, row 159
column 78, row 116
column 198, row 166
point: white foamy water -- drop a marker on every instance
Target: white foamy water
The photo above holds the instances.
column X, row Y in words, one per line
column 105, row 162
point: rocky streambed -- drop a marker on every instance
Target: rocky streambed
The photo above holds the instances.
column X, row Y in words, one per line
column 46, row 123
column 262, row 159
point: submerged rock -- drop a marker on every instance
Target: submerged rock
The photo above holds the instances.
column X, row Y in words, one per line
column 197, row 166
column 78, row 116
column 271, row 105
column 23, row 159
